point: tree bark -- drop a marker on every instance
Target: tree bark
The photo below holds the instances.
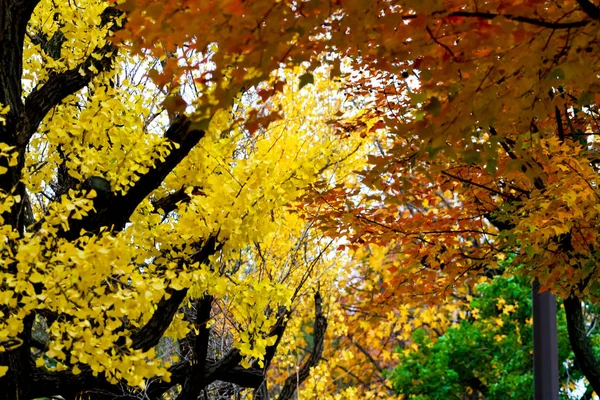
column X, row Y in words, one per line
column 194, row 382
column 295, row 380
column 14, row 16
column 580, row 342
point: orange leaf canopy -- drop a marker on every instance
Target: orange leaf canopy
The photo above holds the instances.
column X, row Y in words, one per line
column 488, row 108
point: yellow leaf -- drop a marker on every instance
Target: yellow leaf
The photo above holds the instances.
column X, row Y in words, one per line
column 36, row 277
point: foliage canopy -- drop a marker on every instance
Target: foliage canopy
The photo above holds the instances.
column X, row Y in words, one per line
column 164, row 166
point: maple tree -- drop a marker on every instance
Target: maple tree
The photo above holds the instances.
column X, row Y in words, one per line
column 489, row 148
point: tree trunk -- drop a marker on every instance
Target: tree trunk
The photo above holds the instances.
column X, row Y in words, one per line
column 580, row 342
column 16, row 383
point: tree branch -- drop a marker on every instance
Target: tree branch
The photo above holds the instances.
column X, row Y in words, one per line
column 510, row 17
column 278, row 330
column 589, row 8
column 16, row 382
column 67, row 385
column 295, row 380
column 169, row 202
column 228, row 361
column 367, row 354
column 261, row 393
column 519, row 18
column 14, row 16
column 244, row 377
column 469, row 182
column 148, row 336
column 226, row 369
column 60, row 85
column 194, row 382
column 113, row 210
column 559, row 125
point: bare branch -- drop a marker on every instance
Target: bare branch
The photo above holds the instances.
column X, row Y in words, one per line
column 295, row 380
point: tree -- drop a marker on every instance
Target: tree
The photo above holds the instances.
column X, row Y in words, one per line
column 489, row 148
column 488, row 354
column 147, row 251
column 490, row 117
column 128, row 187
column 487, row 103
column 366, row 325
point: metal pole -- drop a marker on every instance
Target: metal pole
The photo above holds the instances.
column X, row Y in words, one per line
column 545, row 345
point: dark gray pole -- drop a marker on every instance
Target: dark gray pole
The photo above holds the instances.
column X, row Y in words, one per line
column 545, row 345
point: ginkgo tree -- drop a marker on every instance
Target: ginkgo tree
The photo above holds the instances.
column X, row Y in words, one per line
column 144, row 250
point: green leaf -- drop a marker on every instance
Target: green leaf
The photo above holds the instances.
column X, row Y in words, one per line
column 585, row 99
column 472, row 157
column 417, row 97
column 490, row 166
column 594, row 287
column 305, row 79
column 434, row 107
column 556, row 73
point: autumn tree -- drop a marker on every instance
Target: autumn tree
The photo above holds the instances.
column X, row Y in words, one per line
column 488, row 113
column 368, row 325
column 489, row 353
column 147, row 243
column 135, row 174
